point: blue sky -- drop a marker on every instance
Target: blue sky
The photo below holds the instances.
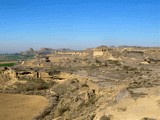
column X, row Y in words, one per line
column 78, row 24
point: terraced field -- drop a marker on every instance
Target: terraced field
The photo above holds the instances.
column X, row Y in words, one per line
column 20, row 107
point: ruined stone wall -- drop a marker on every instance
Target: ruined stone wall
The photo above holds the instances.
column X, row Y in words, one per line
column 30, row 74
column 72, row 53
column 98, row 53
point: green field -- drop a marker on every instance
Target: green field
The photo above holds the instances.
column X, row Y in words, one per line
column 7, row 64
column 14, row 57
column 8, row 60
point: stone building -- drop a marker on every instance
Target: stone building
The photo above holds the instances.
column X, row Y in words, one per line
column 100, row 51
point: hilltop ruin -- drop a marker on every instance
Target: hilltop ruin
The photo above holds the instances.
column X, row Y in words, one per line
column 103, row 83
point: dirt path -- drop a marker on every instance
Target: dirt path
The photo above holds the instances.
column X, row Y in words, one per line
column 20, row 107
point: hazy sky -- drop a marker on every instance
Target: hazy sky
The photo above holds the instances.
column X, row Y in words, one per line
column 78, row 24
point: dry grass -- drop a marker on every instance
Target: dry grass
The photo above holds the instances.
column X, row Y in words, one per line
column 20, row 107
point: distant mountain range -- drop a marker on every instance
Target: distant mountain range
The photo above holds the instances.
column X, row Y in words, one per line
column 44, row 51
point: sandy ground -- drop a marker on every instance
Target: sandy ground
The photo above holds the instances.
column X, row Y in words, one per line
column 20, row 107
column 129, row 109
column 136, row 110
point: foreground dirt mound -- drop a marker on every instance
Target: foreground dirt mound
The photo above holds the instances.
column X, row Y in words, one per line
column 146, row 107
column 20, row 107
